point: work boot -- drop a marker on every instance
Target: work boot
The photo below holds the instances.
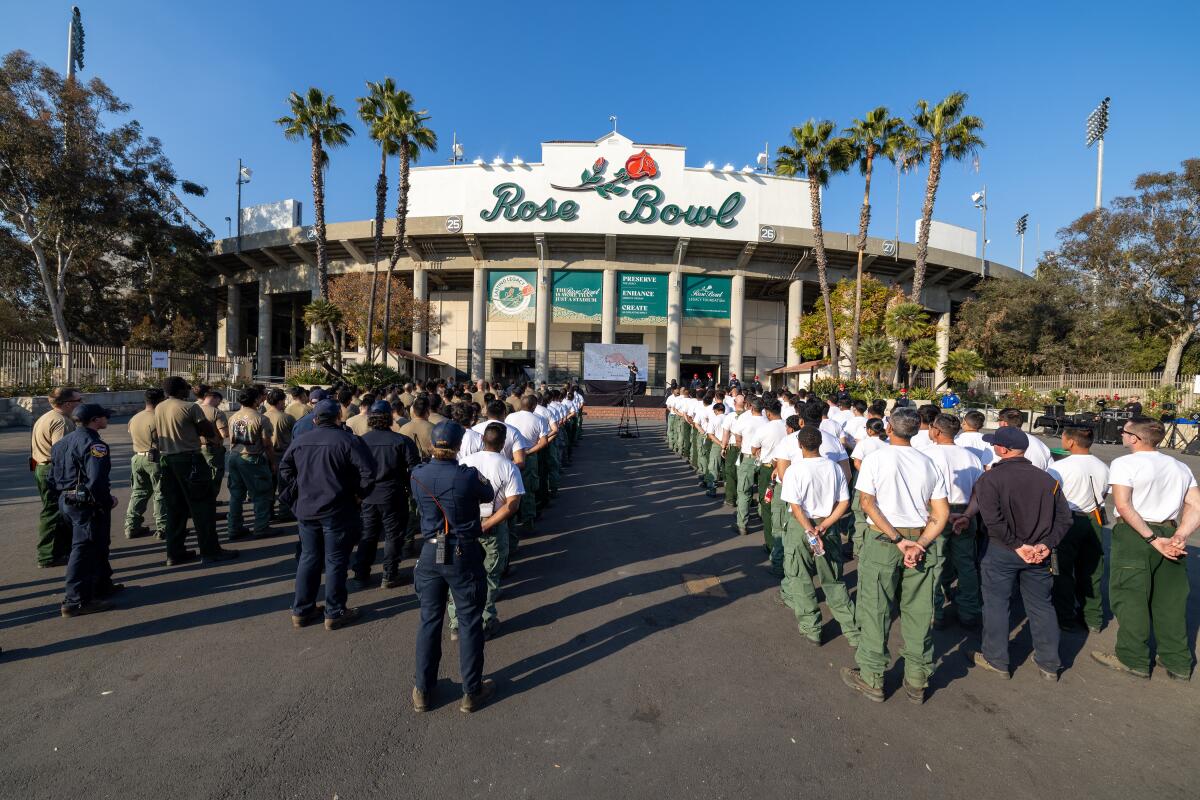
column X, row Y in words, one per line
column 186, row 557
column 391, row 582
column 473, row 702
column 978, row 660
column 104, row 592
column 348, row 617
column 239, row 533
column 94, row 607
column 304, row 620
column 420, row 700
column 1047, row 674
column 915, row 694
column 219, row 556
column 453, row 634
column 1175, row 676
column 491, row 630
column 137, row 533
column 57, row 562
column 1111, row 661
column 361, row 580
column 853, row 679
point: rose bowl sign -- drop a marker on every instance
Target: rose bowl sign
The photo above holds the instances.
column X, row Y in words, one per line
column 511, row 294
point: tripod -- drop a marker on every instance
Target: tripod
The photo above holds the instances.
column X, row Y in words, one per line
column 627, row 428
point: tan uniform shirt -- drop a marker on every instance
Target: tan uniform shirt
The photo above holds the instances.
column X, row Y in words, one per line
column 176, row 422
column 477, row 397
column 281, row 429
column 435, row 418
column 358, row 424
column 420, row 430
column 142, row 432
column 406, row 400
column 49, row 428
column 514, row 403
column 255, row 426
column 296, row 409
column 220, row 421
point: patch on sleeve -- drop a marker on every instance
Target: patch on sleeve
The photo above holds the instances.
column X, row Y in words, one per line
column 98, row 450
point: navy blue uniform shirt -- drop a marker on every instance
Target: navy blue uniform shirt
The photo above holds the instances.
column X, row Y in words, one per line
column 324, row 471
column 459, row 489
column 304, row 425
column 81, row 453
column 395, row 455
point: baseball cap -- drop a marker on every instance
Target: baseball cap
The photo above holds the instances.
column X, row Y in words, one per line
column 1012, row 438
column 86, row 412
column 447, row 435
column 317, row 395
column 380, row 407
column 327, row 408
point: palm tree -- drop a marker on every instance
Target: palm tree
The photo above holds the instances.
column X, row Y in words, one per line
column 940, row 132
column 328, row 354
column 922, row 355
column 876, row 134
column 375, row 110
column 962, row 366
column 411, row 137
column 904, row 323
column 816, row 154
column 875, row 353
column 316, row 117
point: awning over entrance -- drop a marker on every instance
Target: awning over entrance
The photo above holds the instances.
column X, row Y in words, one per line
column 804, row 367
column 411, row 356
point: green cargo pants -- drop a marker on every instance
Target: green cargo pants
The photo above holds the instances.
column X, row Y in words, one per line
column 860, row 522
column 143, row 482
column 249, row 475
column 553, row 467
column 495, row 559
column 186, row 481
column 1080, row 573
column 685, row 439
column 215, row 456
column 961, row 564
column 745, row 479
column 712, row 465
column 529, row 479
column 764, row 508
column 1148, row 594
column 54, row 531
column 799, row 592
column 781, row 522
column 883, row 581
column 731, row 476
column 670, row 430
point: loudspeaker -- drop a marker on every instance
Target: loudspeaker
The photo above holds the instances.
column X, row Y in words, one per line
column 1056, row 411
column 1193, row 447
column 1108, row 431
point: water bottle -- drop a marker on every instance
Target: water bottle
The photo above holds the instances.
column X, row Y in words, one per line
column 814, row 543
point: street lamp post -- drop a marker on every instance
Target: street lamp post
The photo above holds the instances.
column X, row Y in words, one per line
column 980, row 201
column 1022, row 224
column 243, row 177
column 1097, row 126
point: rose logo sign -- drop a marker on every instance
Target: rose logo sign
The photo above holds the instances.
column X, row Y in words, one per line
column 637, row 166
column 641, row 166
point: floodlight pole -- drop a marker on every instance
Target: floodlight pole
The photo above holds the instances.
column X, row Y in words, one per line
column 1099, row 169
column 239, row 206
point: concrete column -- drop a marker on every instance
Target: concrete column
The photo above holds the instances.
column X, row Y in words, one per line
column 795, row 309
column 608, row 308
column 737, row 326
column 233, row 317
column 264, row 328
column 674, row 325
column 315, row 332
column 477, row 339
column 421, row 294
column 943, row 346
column 541, row 358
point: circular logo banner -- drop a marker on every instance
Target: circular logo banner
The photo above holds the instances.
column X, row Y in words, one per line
column 511, row 295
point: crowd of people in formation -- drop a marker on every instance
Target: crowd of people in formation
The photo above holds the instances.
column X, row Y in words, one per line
column 946, row 523
column 456, row 475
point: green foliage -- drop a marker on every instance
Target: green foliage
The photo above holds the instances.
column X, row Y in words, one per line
column 875, row 354
column 810, row 344
column 907, row 322
column 367, row 376
column 307, row 377
column 923, row 355
column 961, row 366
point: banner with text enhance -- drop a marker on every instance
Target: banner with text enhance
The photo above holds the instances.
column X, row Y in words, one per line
column 642, row 297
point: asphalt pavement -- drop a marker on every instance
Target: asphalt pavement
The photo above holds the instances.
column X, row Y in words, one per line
column 642, row 655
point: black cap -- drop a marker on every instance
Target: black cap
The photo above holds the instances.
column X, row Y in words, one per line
column 1012, row 438
column 86, row 412
column 447, row 435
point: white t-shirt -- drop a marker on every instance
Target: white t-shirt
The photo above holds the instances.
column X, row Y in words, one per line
column 546, row 416
column 727, row 422
column 671, row 401
column 903, row 481
column 921, row 440
column 712, row 425
column 766, row 437
column 841, row 415
column 472, row 442
column 973, row 441
column 833, row 428
column 531, row 426
column 702, row 416
column 867, row 446
column 514, row 440
column 855, row 428
column 501, row 473
column 1038, row 454
column 816, row 485
column 960, row 469
column 729, row 404
column 745, row 427
column 1159, row 483
column 786, row 411
column 789, row 449
column 1084, row 481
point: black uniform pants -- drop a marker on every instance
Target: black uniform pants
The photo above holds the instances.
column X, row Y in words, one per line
column 390, row 520
column 88, row 570
column 465, row 578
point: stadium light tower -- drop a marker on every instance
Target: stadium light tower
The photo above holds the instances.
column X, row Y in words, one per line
column 980, row 201
column 1022, row 224
column 1097, row 126
column 456, row 150
column 243, row 177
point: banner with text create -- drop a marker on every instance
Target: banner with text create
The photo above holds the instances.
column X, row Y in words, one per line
column 512, row 294
column 577, row 296
column 642, row 298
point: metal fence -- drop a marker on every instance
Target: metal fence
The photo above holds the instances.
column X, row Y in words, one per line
column 38, row 364
column 1125, row 385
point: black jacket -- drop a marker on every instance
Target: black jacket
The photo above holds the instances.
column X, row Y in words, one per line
column 395, row 455
column 1020, row 504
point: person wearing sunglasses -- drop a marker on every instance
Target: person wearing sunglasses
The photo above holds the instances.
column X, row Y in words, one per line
column 1158, row 504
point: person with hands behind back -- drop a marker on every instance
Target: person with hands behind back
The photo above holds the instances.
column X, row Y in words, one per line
column 1159, row 506
column 1026, row 515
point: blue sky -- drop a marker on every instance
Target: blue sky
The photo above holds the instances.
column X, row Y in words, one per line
column 720, row 78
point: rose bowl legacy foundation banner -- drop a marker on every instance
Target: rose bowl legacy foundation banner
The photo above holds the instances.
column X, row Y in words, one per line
column 512, row 294
column 576, row 296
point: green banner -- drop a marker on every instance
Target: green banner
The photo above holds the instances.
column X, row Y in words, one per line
column 577, row 295
column 642, row 297
column 512, row 294
column 705, row 297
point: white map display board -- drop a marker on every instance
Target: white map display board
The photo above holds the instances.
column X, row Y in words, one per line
column 610, row 362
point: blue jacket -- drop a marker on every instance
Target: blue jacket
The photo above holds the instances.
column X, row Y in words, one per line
column 459, row 489
column 304, row 425
column 81, row 457
column 323, row 472
column 395, row 455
